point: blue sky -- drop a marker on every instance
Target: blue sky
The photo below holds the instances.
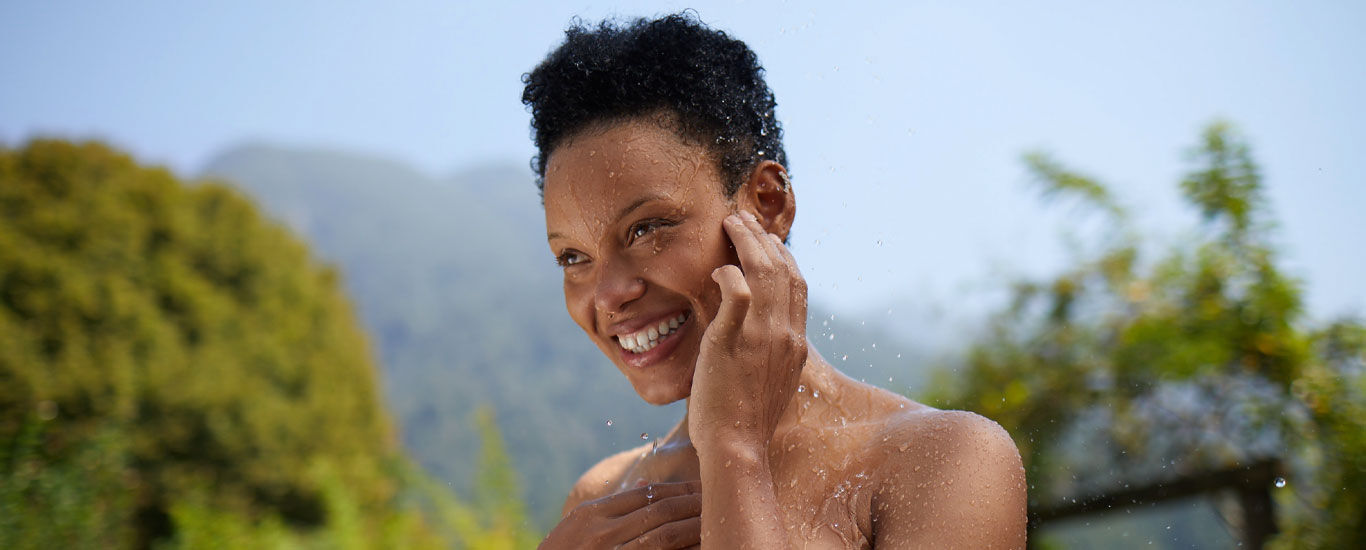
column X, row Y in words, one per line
column 905, row 121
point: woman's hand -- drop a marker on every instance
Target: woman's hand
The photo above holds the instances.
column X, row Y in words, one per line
column 753, row 351
column 662, row 515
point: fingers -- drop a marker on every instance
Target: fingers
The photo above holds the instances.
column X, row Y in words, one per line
column 735, row 298
column 768, row 266
column 684, row 533
column 753, row 249
column 798, row 285
column 649, row 522
column 626, row 502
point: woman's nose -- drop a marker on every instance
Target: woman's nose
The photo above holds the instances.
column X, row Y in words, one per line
column 618, row 286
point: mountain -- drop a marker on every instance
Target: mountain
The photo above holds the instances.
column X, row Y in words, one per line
column 453, row 279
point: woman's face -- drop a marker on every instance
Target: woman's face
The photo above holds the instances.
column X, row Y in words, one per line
column 633, row 214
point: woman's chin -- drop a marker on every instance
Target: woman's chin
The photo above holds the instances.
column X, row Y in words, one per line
column 659, row 393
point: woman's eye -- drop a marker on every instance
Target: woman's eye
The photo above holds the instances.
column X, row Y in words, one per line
column 569, row 258
column 644, row 228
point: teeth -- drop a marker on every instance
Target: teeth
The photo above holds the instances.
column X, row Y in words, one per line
column 647, row 339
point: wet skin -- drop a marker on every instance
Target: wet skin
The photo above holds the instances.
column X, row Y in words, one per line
column 788, row 451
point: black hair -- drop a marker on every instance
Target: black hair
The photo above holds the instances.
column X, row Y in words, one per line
column 710, row 84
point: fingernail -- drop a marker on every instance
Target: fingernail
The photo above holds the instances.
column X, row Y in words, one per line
column 747, row 216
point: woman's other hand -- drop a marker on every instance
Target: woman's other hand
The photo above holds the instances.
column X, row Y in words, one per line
column 662, row 515
column 753, row 351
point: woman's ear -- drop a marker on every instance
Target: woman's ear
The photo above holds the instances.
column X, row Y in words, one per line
column 768, row 194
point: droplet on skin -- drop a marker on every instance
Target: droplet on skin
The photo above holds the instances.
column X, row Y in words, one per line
column 609, row 423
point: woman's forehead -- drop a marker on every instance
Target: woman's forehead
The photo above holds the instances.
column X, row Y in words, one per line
column 624, row 160
column 596, row 180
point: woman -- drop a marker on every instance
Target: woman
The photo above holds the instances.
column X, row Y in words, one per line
column 667, row 204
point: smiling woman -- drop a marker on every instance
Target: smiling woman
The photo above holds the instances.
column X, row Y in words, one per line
column 668, row 203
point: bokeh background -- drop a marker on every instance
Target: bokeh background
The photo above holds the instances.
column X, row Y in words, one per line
column 1127, row 233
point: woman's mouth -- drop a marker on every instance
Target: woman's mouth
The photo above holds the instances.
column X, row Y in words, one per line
column 653, row 342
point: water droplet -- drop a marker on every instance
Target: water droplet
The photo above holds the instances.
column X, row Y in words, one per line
column 1280, row 482
column 801, row 388
column 845, row 358
column 816, row 393
column 644, row 436
column 609, row 422
column 650, row 492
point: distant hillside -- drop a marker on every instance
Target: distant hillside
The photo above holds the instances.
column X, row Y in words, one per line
column 453, row 278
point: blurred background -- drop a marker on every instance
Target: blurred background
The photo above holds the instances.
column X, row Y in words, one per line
column 275, row 275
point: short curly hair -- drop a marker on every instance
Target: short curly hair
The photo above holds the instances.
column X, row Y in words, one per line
column 711, row 85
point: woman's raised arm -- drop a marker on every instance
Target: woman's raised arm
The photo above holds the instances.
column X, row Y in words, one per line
column 747, row 371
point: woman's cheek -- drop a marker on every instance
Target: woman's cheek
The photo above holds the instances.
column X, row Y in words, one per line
column 579, row 304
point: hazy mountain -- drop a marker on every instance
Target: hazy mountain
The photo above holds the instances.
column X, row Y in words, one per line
column 455, row 284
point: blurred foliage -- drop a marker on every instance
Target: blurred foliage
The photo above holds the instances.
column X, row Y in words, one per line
column 178, row 371
column 1136, row 367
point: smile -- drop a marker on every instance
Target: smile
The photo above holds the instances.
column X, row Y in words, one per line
column 646, row 339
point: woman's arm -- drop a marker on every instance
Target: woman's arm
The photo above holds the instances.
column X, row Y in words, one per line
column 747, row 371
column 740, row 509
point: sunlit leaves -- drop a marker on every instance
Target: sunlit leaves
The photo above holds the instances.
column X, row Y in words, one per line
column 1187, row 360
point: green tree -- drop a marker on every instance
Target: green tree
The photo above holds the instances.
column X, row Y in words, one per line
column 177, row 341
column 1196, row 358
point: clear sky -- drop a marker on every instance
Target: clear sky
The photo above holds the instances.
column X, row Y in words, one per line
column 905, row 121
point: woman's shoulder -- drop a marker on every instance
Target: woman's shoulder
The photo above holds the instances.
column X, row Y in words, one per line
column 925, row 426
column 602, row 479
column 901, row 425
column 947, row 463
column 911, row 433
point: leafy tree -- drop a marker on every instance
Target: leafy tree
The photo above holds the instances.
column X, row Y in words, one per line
column 1134, row 367
column 170, row 340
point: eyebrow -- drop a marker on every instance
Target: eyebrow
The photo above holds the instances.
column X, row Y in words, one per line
column 624, row 212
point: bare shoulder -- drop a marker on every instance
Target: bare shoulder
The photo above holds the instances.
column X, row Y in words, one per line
column 601, row 479
column 949, row 476
column 962, row 433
